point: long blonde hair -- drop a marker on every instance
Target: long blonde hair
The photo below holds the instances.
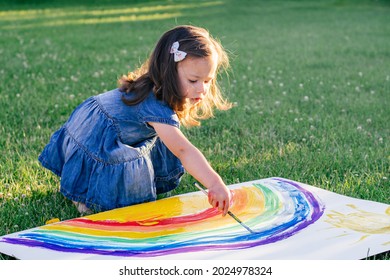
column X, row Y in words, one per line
column 159, row 73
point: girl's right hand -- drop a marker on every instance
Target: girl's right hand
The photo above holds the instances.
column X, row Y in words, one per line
column 195, row 164
column 219, row 197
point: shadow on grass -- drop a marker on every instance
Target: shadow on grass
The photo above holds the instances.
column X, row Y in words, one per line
column 381, row 256
column 18, row 214
column 91, row 13
column 6, row 258
column 23, row 4
column 34, row 211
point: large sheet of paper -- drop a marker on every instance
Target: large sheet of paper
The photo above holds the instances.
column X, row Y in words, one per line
column 292, row 220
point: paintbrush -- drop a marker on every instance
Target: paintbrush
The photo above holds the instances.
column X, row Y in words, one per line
column 229, row 212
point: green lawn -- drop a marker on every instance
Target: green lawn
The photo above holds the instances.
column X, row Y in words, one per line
column 310, row 79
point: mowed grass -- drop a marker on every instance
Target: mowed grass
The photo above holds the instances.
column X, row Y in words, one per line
column 310, row 81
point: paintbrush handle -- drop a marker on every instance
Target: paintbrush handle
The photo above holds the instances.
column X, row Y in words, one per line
column 234, row 217
column 239, row 221
column 201, row 189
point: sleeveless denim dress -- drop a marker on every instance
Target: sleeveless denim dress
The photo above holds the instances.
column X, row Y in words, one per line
column 109, row 157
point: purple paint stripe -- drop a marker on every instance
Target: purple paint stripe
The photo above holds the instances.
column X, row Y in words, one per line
column 145, row 253
column 318, row 209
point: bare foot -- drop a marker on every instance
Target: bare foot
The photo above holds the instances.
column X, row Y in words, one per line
column 82, row 208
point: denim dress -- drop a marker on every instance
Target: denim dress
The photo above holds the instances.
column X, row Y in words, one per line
column 109, row 157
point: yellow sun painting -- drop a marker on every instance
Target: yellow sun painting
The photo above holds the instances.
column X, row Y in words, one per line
column 362, row 221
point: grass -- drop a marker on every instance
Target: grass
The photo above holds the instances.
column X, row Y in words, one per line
column 310, row 80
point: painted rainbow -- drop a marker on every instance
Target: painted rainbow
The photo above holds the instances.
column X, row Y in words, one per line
column 182, row 224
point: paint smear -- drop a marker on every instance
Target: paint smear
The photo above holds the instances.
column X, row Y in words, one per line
column 183, row 224
column 361, row 221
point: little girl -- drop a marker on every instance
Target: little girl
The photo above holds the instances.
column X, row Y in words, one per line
column 124, row 146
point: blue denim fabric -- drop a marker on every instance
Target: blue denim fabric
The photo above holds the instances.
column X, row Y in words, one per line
column 108, row 156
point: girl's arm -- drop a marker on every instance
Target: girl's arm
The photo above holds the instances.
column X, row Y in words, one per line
column 195, row 164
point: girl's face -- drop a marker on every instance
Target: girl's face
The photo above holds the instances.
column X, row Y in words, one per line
column 195, row 77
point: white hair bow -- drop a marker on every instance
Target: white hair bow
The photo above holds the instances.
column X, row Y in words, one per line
column 178, row 55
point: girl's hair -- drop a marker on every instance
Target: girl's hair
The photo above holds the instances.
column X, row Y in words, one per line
column 159, row 73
